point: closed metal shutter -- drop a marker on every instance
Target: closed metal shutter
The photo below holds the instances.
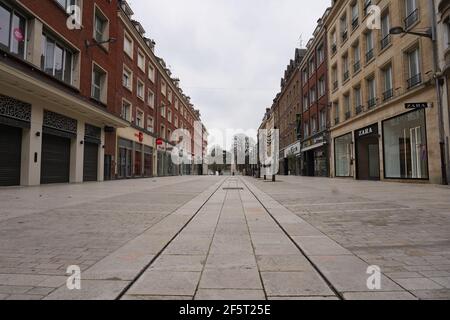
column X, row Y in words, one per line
column 55, row 165
column 90, row 162
column 10, row 155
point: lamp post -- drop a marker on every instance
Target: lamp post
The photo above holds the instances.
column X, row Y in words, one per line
column 430, row 33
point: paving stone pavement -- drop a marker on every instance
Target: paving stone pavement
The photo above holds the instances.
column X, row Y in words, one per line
column 403, row 228
column 45, row 229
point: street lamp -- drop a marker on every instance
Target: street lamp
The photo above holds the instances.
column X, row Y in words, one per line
column 400, row 30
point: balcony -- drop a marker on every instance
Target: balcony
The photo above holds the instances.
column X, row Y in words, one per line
column 385, row 41
column 357, row 66
column 348, row 114
column 369, row 55
column 414, row 81
column 344, row 35
column 372, row 103
column 359, row 109
column 388, row 94
column 335, row 85
column 412, row 18
column 346, row 75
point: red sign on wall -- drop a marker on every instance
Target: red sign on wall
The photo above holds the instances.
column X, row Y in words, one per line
column 140, row 136
column 159, row 142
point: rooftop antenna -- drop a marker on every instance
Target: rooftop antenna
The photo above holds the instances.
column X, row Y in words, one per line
column 301, row 41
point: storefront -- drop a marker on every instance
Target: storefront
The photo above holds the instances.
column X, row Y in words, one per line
column 315, row 157
column 405, row 146
column 292, row 158
column 343, row 155
column 92, row 145
column 134, row 154
column 367, row 152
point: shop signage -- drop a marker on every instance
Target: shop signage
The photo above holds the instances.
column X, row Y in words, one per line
column 292, row 150
column 373, row 129
column 159, row 142
column 417, row 105
column 139, row 136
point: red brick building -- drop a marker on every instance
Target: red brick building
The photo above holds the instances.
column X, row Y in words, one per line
column 315, row 106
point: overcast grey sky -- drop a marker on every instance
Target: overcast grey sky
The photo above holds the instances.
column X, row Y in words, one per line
column 229, row 54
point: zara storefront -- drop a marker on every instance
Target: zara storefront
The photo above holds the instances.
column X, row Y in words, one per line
column 395, row 144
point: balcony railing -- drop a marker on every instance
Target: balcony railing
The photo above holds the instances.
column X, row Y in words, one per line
column 357, row 66
column 334, row 48
column 355, row 23
column 388, row 94
column 385, row 41
column 344, row 35
column 359, row 109
column 336, row 121
column 335, row 85
column 346, row 75
column 412, row 18
column 414, row 81
column 372, row 103
column 348, row 114
column 369, row 55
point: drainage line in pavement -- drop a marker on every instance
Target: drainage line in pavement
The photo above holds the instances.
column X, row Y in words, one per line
column 128, row 287
column 330, row 285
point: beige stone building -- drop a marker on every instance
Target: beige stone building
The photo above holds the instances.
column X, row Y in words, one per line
column 384, row 110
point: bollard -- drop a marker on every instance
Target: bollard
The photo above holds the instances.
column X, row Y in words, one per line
column 273, row 178
column 265, row 177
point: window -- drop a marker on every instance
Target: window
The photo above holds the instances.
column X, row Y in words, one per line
column 344, row 28
column 13, row 31
column 357, row 99
column 347, row 106
column 388, row 85
column 163, row 132
column 151, row 99
column 169, row 115
column 345, row 68
column 337, row 111
column 334, row 76
column 322, row 87
column 305, row 103
column 66, row 3
column 412, row 13
column 176, row 121
column 312, row 67
column 305, row 76
column 323, row 119
column 314, row 125
column 99, row 84
column 163, row 111
column 176, row 103
column 343, row 155
column 139, row 118
column 100, row 26
column 150, row 124
column 140, row 89
column 312, row 95
column 367, row 4
column 369, row 46
column 320, row 54
column 163, row 88
column 414, row 73
column 371, row 93
column 333, row 41
column 126, row 110
column 405, row 146
column 356, row 58
column 169, row 95
column 56, row 60
column 127, row 78
column 151, row 73
column 306, row 129
column 141, row 61
column 385, row 27
column 128, row 45
column 355, row 15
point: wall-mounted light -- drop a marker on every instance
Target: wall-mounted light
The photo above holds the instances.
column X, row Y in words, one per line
column 81, row 142
column 38, row 134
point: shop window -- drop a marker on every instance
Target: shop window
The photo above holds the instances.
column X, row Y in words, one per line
column 342, row 155
column 405, row 146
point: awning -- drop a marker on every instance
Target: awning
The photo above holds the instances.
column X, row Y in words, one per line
column 314, row 146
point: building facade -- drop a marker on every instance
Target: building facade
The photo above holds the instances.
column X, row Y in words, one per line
column 385, row 119
column 315, row 106
column 442, row 9
column 83, row 97
column 288, row 107
column 55, row 91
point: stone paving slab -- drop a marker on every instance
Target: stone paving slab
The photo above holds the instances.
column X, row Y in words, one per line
column 90, row 290
column 230, row 294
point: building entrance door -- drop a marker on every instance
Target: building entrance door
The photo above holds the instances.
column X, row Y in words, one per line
column 367, row 153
